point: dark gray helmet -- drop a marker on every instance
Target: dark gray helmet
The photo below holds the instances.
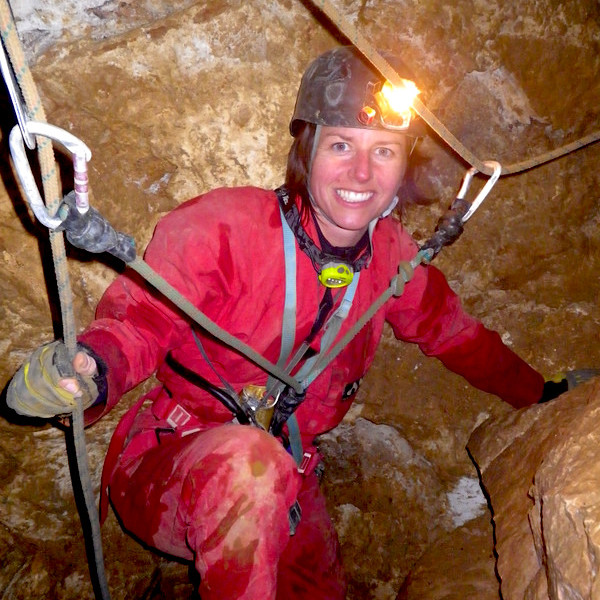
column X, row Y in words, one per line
column 339, row 89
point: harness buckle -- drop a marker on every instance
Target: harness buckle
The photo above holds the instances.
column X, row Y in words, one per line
column 309, row 462
column 178, row 417
column 294, row 517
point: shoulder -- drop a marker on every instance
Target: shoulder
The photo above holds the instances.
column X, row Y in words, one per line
column 220, row 226
column 224, row 211
column 225, row 204
column 391, row 239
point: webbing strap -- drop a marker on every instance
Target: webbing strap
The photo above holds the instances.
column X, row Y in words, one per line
column 288, row 328
column 295, row 438
column 307, row 373
column 288, row 331
column 310, row 369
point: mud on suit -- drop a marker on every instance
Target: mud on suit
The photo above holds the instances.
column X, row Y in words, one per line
column 190, row 483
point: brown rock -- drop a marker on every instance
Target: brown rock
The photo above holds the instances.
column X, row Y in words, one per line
column 460, row 566
column 539, row 469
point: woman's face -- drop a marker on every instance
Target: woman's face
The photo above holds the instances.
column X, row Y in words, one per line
column 354, row 177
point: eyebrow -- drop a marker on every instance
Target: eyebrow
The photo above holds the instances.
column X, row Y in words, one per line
column 325, row 136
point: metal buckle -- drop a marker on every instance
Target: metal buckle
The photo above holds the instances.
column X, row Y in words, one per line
column 294, row 517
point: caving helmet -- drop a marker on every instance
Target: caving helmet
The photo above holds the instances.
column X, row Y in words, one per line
column 342, row 89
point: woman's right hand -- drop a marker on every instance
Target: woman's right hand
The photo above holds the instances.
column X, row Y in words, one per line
column 48, row 384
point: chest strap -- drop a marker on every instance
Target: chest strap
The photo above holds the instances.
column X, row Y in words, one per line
column 313, row 366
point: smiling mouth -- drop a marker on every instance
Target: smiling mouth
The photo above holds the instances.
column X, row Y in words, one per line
column 354, row 197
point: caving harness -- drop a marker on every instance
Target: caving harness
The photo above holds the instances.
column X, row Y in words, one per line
column 271, row 407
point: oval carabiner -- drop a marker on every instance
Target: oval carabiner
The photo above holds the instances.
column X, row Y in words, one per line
column 27, row 180
column 80, row 154
column 497, row 167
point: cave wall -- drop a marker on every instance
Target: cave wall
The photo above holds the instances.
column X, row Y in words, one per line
column 175, row 98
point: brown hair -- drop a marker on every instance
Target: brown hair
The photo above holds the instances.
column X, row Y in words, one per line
column 296, row 176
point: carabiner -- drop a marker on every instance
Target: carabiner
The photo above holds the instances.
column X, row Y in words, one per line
column 80, row 154
column 497, row 167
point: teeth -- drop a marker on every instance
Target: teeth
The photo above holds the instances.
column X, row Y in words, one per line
column 350, row 196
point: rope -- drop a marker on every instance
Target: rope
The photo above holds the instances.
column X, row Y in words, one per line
column 396, row 288
column 152, row 277
column 53, row 196
column 387, row 71
column 50, row 175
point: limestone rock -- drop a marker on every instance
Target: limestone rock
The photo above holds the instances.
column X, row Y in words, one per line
column 540, row 469
column 375, row 474
column 460, row 566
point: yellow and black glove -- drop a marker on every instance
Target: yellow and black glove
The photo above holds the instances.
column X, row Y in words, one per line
column 34, row 391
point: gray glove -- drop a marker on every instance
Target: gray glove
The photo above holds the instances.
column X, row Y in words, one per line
column 34, row 390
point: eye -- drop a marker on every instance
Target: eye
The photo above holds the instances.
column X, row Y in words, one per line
column 340, row 146
column 384, row 152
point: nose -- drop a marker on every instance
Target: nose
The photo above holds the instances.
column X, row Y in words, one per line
column 361, row 166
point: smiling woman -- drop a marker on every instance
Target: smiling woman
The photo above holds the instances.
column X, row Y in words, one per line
column 242, row 502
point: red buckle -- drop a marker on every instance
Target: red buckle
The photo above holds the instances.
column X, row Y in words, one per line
column 309, row 462
column 178, row 417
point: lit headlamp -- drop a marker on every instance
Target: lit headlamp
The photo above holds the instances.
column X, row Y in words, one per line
column 392, row 104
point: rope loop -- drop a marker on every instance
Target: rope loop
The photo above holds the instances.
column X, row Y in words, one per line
column 405, row 274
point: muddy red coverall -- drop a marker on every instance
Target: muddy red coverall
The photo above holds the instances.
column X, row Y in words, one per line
column 189, row 482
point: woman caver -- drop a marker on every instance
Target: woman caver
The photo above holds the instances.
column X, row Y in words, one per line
column 181, row 474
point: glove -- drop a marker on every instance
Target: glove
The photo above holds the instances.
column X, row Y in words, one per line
column 34, row 391
column 564, row 382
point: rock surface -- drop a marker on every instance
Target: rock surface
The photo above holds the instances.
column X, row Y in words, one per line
column 175, row 98
column 540, row 470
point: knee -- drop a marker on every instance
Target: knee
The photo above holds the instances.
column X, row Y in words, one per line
column 246, row 458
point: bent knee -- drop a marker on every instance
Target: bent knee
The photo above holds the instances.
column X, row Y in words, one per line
column 244, row 456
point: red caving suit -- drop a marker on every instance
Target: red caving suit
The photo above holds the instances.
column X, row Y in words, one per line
column 219, row 493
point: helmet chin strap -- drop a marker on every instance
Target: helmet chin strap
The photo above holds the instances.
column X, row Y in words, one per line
column 316, row 208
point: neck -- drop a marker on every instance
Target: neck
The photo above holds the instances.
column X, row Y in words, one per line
column 347, row 250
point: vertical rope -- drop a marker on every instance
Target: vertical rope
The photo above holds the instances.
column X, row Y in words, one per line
column 52, row 197
column 49, row 170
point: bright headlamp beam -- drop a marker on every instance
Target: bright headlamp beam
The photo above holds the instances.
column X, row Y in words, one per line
column 400, row 98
